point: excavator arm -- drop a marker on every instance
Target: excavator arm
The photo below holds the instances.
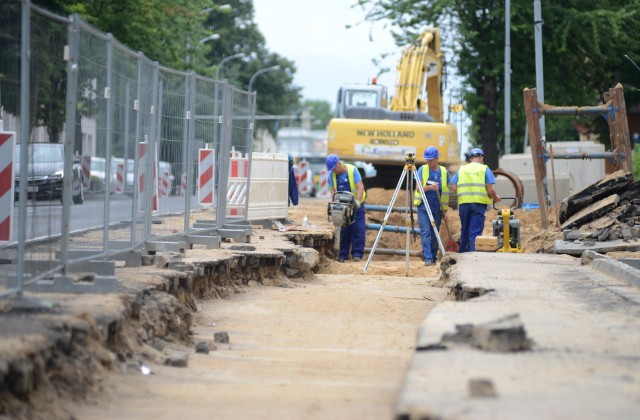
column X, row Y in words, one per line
column 419, row 71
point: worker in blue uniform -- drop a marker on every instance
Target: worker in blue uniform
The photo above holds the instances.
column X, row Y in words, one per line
column 293, row 185
column 345, row 177
column 435, row 182
column 474, row 185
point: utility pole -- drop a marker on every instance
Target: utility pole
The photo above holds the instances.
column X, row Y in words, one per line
column 537, row 21
column 507, row 77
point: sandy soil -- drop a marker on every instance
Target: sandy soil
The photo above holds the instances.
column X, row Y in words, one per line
column 335, row 347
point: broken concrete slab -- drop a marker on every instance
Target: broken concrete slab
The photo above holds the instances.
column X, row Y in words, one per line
column 592, row 211
column 610, row 184
column 576, row 249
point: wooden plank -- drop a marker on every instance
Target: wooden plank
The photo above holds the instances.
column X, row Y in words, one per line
column 620, row 139
column 533, row 112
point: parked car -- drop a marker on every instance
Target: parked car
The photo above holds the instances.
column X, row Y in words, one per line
column 97, row 174
column 46, row 173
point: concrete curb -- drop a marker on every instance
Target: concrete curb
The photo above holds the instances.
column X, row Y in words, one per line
column 619, row 270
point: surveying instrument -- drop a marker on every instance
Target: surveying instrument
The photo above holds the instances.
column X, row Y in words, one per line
column 409, row 168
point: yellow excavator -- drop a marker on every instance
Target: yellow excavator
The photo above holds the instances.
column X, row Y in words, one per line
column 365, row 131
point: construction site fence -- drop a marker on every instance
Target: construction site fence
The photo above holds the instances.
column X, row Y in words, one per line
column 133, row 135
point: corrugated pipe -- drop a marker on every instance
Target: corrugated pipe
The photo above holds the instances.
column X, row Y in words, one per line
column 377, row 207
column 391, row 228
column 389, row 251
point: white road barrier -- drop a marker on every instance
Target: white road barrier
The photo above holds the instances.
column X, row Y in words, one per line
column 269, row 195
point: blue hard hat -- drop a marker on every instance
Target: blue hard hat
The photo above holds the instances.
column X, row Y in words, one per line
column 431, row 152
column 331, row 162
column 476, row 152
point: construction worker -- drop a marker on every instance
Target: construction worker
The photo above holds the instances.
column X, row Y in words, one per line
column 293, row 184
column 435, row 182
column 345, row 177
column 474, row 186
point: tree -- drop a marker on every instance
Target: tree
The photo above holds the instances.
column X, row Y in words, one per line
column 583, row 43
column 320, row 113
column 239, row 33
column 47, row 70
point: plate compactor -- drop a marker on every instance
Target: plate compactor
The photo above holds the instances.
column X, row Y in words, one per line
column 504, row 226
column 341, row 211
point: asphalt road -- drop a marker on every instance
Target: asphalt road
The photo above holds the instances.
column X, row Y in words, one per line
column 44, row 218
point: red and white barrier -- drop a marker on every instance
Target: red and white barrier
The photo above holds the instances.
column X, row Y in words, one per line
column 164, row 183
column 146, row 180
column 119, row 187
column 323, row 190
column 206, row 159
column 304, row 178
column 7, row 147
column 85, row 164
column 237, row 185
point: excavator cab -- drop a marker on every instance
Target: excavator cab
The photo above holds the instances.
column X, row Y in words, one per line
column 360, row 96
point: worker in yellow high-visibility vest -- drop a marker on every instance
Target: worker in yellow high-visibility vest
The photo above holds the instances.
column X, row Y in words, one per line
column 345, row 177
column 474, row 185
column 435, row 181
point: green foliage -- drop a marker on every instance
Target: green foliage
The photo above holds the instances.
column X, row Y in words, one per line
column 169, row 31
column 320, row 113
column 584, row 42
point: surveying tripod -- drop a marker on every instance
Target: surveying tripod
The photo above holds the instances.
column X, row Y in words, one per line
column 409, row 167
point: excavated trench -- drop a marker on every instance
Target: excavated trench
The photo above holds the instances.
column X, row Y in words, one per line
column 64, row 353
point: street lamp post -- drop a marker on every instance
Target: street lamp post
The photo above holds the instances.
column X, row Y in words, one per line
column 256, row 74
column 215, row 95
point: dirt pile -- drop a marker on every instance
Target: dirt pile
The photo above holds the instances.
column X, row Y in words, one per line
column 533, row 237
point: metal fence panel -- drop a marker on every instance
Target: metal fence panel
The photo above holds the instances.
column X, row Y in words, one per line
column 132, row 132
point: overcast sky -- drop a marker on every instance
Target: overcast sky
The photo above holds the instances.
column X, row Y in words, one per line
column 313, row 34
column 325, row 52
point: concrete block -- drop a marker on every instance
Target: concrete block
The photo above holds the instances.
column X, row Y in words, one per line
column 211, row 242
column 159, row 246
column 502, row 335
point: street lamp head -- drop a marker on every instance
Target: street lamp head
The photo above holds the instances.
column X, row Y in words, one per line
column 224, row 60
column 211, row 37
column 259, row 72
column 223, row 8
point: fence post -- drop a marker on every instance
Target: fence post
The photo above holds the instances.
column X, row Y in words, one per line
column 251, row 113
column 152, row 153
column 137, row 103
column 108, row 93
column 70, row 133
column 223, row 155
column 189, row 138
